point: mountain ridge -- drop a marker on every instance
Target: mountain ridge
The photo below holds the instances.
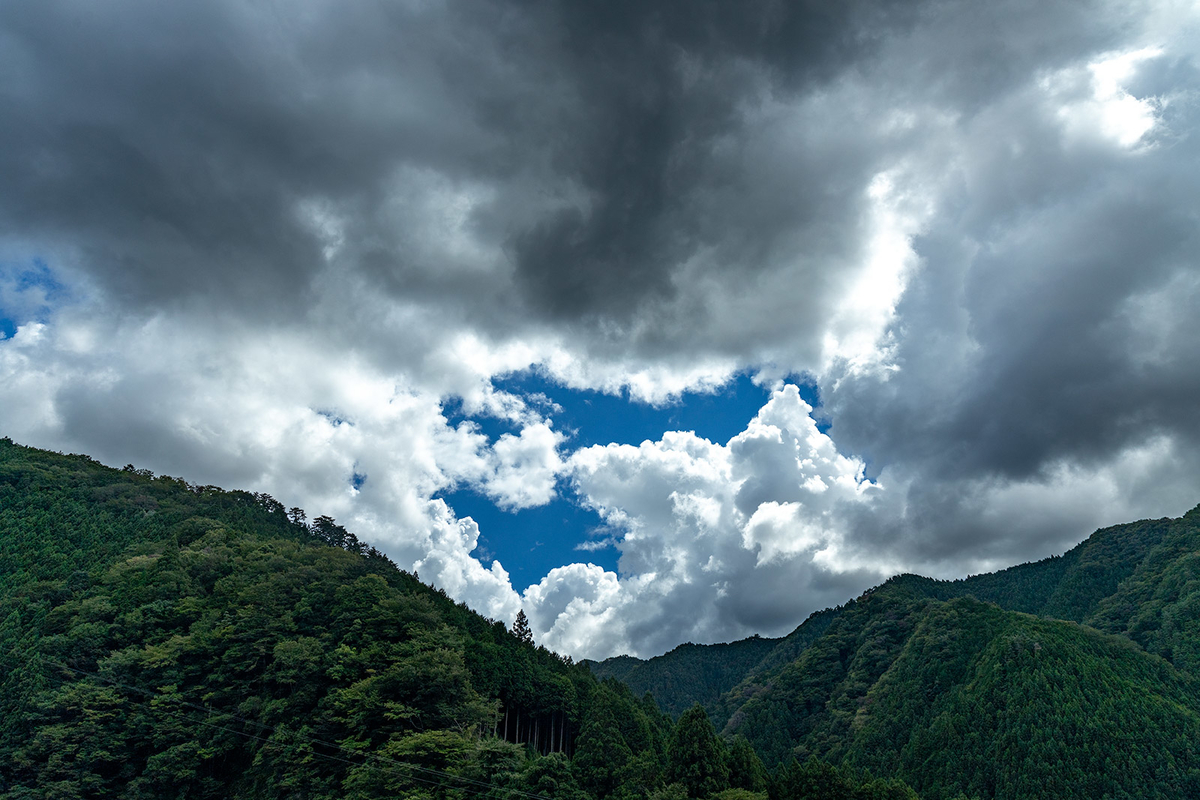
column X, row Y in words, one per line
column 1067, row 586
column 159, row 638
column 1049, row 661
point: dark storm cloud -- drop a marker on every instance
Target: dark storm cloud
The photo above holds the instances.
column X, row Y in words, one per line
column 1047, row 330
column 615, row 151
column 132, row 137
column 172, row 146
column 622, row 175
column 939, row 211
column 659, row 88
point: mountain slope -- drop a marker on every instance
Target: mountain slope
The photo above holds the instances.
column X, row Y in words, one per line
column 161, row 639
column 963, row 696
column 1070, row 586
column 689, row 674
column 1081, row 585
column 990, row 685
column 1158, row 604
column 706, row 673
column 922, row 679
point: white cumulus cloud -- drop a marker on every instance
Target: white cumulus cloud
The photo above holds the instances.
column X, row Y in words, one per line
column 716, row 540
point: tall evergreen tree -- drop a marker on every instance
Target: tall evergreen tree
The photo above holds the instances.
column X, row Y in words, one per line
column 696, row 757
column 812, row 780
column 601, row 754
column 746, row 770
column 520, row 628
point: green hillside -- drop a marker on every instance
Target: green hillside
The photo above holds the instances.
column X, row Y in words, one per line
column 165, row 640
column 689, row 674
column 963, row 696
column 705, row 674
column 989, row 685
column 1158, row 604
column 160, row 639
column 1070, row 586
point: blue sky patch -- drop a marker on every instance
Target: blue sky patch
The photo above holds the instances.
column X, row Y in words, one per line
column 590, row 417
column 532, row 541
column 333, row 417
column 28, row 293
column 491, row 427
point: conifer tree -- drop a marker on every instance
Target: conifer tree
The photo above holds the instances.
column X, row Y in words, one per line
column 602, row 754
column 746, row 770
column 696, row 757
column 520, row 628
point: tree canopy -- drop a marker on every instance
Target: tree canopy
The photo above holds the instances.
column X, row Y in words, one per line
column 163, row 639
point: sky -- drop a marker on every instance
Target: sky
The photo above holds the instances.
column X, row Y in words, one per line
column 662, row 321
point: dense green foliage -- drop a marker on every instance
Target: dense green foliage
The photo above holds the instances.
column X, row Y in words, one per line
column 697, row 758
column 947, row 685
column 705, row 673
column 1158, row 604
column 1070, row 586
column 818, row 780
column 690, row 673
column 961, row 695
column 160, row 639
column 986, row 685
column 164, row 639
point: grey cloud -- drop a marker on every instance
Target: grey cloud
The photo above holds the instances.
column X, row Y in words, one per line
column 649, row 186
column 659, row 88
column 172, row 144
column 1044, row 310
column 627, row 180
column 1046, row 330
column 608, row 149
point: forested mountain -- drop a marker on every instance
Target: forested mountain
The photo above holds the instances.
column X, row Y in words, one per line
column 689, row 674
column 961, row 695
column 704, row 673
column 160, row 639
column 990, row 685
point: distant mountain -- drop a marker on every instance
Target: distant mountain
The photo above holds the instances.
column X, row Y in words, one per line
column 704, row 673
column 964, row 696
column 688, row 674
column 988, row 685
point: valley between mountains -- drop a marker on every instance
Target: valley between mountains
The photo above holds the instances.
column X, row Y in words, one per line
column 161, row 639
